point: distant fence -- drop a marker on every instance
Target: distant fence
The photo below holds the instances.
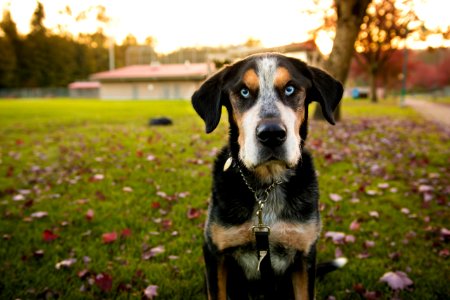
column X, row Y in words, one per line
column 34, row 93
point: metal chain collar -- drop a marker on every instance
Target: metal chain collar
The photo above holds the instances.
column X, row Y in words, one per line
column 261, row 196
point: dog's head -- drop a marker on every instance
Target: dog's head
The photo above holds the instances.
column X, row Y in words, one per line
column 267, row 99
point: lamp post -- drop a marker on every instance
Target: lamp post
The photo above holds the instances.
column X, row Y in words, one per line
column 404, row 72
column 111, row 54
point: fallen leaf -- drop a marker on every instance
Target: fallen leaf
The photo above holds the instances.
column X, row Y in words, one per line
column 445, row 233
column 153, row 252
column 349, row 238
column 369, row 244
column 405, row 211
column 49, row 236
column 363, row 255
column 97, row 177
column 335, row 197
column 166, row 224
column 39, row 214
column 338, row 252
column 372, row 295
column 18, row 197
column 151, row 291
column 38, row 253
column 337, row 237
column 126, row 232
column 65, row 263
column 183, row 194
column 371, row 192
column 396, row 280
column 444, row 253
column 374, row 214
column 109, row 237
column 425, row 188
column 89, row 214
column 83, row 273
column 193, row 213
column 104, row 282
column 355, row 225
column 127, row 189
column 151, row 157
column 383, row 185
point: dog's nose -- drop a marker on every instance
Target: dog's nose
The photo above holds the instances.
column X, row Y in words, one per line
column 271, row 133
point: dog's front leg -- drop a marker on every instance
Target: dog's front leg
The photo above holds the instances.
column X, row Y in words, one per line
column 216, row 275
column 304, row 276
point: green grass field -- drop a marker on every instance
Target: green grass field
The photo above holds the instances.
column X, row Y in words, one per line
column 95, row 204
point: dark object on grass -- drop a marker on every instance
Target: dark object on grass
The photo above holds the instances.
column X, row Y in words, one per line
column 163, row 121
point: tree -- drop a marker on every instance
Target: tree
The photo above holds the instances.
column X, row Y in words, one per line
column 7, row 63
column 9, row 45
column 37, row 20
column 383, row 29
column 349, row 15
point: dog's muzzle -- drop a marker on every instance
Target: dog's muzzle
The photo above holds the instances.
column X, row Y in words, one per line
column 271, row 133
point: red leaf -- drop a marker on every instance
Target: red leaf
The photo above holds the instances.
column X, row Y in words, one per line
column 126, row 232
column 109, row 237
column 355, row 225
column 100, row 196
column 156, row 205
column 104, row 282
column 166, row 224
column 49, row 236
column 89, row 214
column 193, row 213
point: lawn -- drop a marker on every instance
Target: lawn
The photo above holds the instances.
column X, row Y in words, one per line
column 95, row 204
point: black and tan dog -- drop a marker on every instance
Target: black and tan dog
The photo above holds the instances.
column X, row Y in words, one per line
column 263, row 220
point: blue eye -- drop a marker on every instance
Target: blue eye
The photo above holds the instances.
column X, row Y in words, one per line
column 245, row 93
column 289, row 90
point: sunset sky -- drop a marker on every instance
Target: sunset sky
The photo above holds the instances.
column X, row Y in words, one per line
column 181, row 23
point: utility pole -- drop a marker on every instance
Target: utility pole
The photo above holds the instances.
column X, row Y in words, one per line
column 404, row 73
column 111, row 54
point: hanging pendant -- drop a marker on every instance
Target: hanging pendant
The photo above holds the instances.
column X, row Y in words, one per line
column 227, row 164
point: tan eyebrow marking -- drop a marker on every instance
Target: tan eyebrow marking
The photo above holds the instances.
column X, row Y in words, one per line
column 282, row 77
column 251, row 80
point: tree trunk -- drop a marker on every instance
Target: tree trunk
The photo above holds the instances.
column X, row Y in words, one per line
column 373, row 87
column 350, row 14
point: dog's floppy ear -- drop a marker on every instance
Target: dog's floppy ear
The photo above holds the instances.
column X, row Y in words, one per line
column 327, row 91
column 207, row 100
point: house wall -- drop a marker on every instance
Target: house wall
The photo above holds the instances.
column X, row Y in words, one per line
column 148, row 90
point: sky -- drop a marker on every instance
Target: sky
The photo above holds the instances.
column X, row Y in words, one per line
column 183, row 23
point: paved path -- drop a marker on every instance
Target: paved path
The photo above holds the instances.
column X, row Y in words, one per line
column 436, row 112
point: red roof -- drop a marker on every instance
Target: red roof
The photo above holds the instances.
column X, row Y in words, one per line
column 169, row 71
column 84, row 85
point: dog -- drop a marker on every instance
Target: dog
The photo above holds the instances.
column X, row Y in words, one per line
column 263, row 218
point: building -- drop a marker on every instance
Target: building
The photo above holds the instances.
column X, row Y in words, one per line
column 84, row 89
column 155, row 81
column 306, row 51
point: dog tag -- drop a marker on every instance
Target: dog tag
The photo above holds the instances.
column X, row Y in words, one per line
column 262, row 254
column 227, row 164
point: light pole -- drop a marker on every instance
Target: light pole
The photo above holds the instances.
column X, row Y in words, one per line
column 404, row 71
